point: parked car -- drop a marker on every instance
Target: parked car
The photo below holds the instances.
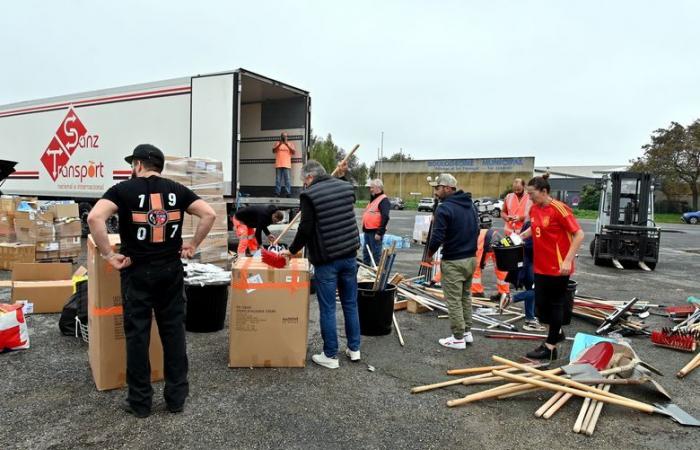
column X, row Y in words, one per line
column 425, row 204
column 692, row 217
column 396, row 203
column 484, row 201
column 496, row 208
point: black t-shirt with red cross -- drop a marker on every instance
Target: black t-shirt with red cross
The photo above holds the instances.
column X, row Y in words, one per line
column 151, row 214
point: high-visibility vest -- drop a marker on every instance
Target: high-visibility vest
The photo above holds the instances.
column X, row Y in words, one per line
column 518, row 207
column 372, row 218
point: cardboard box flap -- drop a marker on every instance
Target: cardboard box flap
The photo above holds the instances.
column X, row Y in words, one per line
column 113, row 240
column 42, row 272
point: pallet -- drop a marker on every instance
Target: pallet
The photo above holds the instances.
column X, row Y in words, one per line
column 414, row 307
column 400, row 305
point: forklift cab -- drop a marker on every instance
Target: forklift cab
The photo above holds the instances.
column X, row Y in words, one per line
column 625, row 227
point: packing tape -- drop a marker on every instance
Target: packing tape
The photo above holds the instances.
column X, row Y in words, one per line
column 105, row 312
column 241, row 284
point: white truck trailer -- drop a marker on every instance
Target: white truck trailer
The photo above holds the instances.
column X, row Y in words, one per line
column 73, row 146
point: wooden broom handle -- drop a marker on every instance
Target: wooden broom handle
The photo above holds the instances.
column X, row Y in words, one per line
column 689, row 367
column 589, row 393
column 566, row 381
column 470, row 370
column 298, row 215
column 429, row 387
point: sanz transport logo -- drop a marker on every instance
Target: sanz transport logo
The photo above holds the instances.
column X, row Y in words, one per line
column 71, row 136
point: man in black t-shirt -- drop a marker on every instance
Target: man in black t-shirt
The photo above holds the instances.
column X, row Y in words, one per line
column 151, row 210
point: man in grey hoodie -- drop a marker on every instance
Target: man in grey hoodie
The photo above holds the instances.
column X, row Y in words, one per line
column 456, row 229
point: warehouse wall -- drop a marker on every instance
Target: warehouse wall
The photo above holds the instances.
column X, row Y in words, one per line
column 480, row 184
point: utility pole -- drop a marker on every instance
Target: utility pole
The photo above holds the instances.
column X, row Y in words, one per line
column 401, row 172
column 381, row 156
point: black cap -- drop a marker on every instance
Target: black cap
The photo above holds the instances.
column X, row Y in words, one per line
column 147, row 152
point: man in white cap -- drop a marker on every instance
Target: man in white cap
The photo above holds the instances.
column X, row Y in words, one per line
column 456, row 229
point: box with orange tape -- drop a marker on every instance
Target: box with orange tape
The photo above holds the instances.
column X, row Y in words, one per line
column 269, row 314
column 107, row 344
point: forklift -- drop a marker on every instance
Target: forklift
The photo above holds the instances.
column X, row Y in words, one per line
column 625, row 233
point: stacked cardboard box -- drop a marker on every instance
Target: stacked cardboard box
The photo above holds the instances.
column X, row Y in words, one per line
column 53, row 227
column 14, row 253
column 206, row 178
column 107, row 343
column 269, row 314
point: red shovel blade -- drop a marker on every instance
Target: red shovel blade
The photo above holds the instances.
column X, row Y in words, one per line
column 598, row 356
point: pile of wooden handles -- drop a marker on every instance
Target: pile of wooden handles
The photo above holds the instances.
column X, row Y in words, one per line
column 692, row 365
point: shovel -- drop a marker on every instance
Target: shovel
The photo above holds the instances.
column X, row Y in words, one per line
column 582, row 390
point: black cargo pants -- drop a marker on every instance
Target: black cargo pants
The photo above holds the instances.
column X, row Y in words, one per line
column 148, row 287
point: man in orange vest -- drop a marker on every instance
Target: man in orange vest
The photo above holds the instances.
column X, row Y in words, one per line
column 516, row 207
column 484, row 255
column 374, row 221
column 283, row 150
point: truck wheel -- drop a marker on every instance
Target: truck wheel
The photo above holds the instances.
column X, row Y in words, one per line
column 84, row 209
column 592, row 247
column 496, row 212
column 113, row 224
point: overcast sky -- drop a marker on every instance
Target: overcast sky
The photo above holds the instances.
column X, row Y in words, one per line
column 566, row 82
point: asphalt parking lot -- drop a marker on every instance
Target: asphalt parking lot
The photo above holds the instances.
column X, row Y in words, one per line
column 49, row 401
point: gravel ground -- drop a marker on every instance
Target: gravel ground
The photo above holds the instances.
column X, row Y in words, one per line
column 49, row 399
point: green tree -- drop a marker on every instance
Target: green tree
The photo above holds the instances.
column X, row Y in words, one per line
column 329, row 155
column 396, row 157
column 590, row 197
column 674, row 156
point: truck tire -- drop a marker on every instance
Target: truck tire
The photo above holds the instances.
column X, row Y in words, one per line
column 84, row 209
column 496, row 212
column 113, row 224
column 592, row 247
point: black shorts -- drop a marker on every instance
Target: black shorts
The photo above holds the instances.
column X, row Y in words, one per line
column 551, row 295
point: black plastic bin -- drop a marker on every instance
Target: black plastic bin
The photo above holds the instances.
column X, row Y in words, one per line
column 376, row 309
column 508, row 258
column 206, row 307
column 569, row 303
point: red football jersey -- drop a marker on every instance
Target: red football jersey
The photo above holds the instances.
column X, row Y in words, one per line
column 553, row 227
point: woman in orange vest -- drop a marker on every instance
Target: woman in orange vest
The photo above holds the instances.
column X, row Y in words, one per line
column 516, row 207
column 374, row 221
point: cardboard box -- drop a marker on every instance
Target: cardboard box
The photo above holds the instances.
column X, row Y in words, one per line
column 68, row 228
column 69, row 247
column 47, row 286
column 107, row 344
column 64, row 210
column 31, row 227
column 269, row 314
column 11, row 254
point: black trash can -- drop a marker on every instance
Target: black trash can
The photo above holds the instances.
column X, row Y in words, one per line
column 508, row 258
column 569, row 303
column 206, row 307
column 376, row 309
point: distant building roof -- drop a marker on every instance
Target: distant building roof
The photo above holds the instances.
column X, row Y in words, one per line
column 578, row 171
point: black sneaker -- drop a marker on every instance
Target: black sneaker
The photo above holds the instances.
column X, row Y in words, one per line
column 130, row 410
column 562, row 336
column 543, row 352
column 495, row 297
column 176, row 409
column 479, row 295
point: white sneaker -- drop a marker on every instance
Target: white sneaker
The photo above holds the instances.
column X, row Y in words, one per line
column 354, row 356
column 452, row 342
column 533, row 325
column 468, row 338
column 322, row 360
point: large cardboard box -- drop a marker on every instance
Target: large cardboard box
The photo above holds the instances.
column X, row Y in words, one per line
column 48, row 286
column 62, row 211
column 107, row 343
column 269, row 314
column 68, row 228
column 11, row 254
column 69, row 247
column 32, row 227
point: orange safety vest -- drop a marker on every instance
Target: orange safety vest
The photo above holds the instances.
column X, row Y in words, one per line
column 372, row 218
column 517, row 207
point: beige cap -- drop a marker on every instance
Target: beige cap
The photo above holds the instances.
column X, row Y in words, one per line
column 444, row 179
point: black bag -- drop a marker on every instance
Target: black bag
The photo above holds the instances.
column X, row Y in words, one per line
column 76, row 306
